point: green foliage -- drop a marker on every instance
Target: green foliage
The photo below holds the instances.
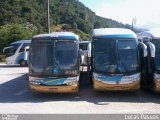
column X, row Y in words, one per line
column 21, row 19
column 13, row 32
column 61, row 12
column 66, row 27
column 2, row 58
column 97, row 24
column 83, row 36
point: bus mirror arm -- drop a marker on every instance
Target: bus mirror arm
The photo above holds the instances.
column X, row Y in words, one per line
column 89, row 50
column 4, row 50
column 152, row 49
column 144, row 47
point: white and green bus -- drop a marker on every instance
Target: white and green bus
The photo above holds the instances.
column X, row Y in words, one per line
column 116, row 59
column 54, row 63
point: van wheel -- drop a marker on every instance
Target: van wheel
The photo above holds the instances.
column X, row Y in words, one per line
column 22, row 63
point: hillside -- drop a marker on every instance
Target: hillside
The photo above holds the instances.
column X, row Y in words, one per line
column 24, row 18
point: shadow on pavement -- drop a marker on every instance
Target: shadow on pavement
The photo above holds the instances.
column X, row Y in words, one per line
column 18, row 91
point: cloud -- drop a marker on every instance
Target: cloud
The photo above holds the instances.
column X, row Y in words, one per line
column 147, row 12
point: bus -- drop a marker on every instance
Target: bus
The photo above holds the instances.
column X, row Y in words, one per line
column 116, row 59
column 54, row 63
column 152, row 40
column 17, row 53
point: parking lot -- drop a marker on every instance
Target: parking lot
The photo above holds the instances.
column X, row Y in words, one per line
column 16, row 97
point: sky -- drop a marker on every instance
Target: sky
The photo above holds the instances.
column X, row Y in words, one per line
column 146, row 12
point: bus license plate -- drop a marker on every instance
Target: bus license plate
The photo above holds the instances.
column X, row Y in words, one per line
column 53, row 89
column 118, row 88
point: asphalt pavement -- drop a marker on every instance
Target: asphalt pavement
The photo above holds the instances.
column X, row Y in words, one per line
column 17, row 98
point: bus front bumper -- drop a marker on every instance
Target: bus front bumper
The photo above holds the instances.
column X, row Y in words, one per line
column 55, row 89
column 99, row 86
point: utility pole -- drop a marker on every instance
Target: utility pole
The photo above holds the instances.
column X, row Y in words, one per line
column 48, row 16
column 133, row 23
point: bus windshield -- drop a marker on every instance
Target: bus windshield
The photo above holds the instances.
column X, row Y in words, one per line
column 157, row 54
column 53, row 58
column 9, row 51
column 115, row 56
column 66, row 54
column 127, row 56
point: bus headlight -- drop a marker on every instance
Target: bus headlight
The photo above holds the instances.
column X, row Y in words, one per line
column 35, row 81
column 71, row 81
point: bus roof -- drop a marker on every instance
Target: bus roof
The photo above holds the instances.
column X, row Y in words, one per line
column 113, row 33
column 61, row 35
column 154, row 33
column 22, row 41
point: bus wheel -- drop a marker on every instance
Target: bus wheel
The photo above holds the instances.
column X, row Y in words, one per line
column 22, row 63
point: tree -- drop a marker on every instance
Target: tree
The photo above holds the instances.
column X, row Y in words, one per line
column 13, row 32
column 74, row 26
column 97, row 24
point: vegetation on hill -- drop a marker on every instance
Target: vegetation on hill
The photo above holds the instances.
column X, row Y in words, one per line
column 21, row 19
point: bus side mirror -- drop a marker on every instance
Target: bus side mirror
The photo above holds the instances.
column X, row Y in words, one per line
column 144, row 49
column 152, row 49
column 89, row 50
column 4, row 50
column 26, row 50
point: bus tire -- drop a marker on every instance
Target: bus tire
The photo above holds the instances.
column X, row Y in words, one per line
column 22, row 63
